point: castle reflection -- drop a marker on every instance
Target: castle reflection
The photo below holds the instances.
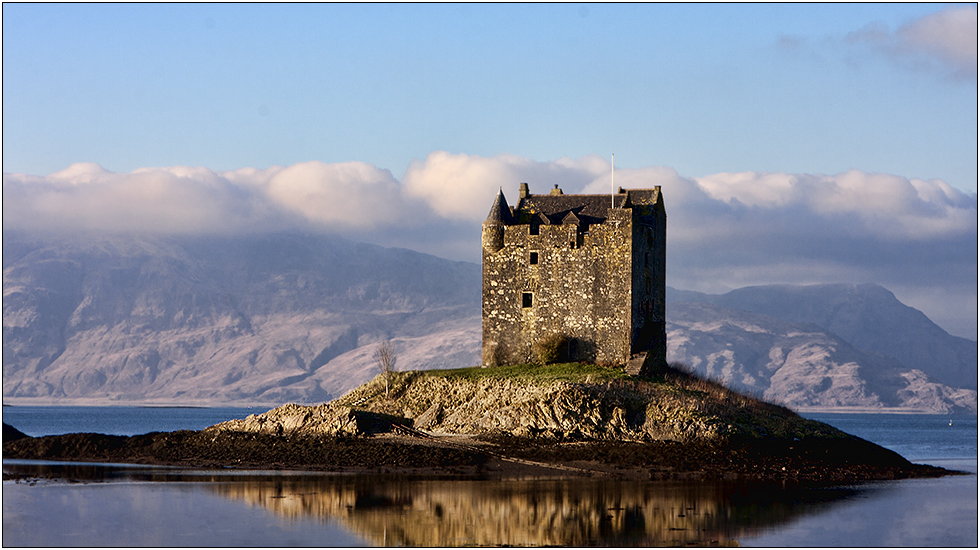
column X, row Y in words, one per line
column 391, row 511
column 536, row 512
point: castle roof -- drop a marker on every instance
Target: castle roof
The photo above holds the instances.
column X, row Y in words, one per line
column 587, row 209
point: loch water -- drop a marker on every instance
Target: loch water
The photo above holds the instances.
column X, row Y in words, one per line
column 38, row 421
column 127, row 505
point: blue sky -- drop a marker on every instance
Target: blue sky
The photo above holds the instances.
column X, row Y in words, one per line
column 702, row 88
column 796, row 143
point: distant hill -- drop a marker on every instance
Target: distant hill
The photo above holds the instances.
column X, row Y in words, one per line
column 800, row 364
column 271, row 319
column 258, row 319
column 867, row 316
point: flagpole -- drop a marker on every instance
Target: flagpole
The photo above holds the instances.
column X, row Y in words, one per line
column 612, row 182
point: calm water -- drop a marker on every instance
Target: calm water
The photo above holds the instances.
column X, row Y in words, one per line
column 38, row 421
column 916, row 512
column 921, row 438
column 123, row 505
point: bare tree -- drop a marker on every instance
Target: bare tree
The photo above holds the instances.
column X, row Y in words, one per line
column 385, row 358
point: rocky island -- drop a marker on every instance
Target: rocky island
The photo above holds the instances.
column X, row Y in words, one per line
column 556, row 420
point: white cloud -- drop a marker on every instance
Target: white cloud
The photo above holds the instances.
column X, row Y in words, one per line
column 87, row 197
column 181, row 199
column 886, row 206
column 457, row 186
column 349, row 194
column 459, row 189
column 462, row 187
column 948, row 37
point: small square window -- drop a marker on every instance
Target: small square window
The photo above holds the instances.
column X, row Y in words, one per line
column 527, row 299
column 534, row 258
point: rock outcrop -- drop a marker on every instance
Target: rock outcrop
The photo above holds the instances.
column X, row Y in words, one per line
column 558, row 402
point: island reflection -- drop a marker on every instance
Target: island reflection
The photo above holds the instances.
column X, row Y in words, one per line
column 537, row 513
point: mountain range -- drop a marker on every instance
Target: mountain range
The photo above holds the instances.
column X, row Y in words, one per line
column 269, row 319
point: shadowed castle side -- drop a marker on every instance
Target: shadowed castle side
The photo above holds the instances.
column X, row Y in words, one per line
column 588, row 269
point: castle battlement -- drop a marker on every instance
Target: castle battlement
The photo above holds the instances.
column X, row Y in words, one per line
column 587, row 268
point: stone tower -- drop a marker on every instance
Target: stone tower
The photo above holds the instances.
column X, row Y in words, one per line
column 588, row 268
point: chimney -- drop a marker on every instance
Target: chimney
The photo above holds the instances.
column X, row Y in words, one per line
column 524, row 190
column 556, row 190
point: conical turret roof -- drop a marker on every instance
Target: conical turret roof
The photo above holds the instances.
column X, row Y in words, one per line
column 500, row 211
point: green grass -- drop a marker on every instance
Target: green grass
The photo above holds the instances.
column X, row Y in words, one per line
column 572, row 372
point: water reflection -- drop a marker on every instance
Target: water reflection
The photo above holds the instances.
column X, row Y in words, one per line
column 537, row 513
column 405, row 512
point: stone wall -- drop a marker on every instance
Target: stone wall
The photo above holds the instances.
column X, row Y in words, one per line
column 649, row 298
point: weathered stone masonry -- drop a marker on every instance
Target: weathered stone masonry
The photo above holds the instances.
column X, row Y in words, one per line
column 590, row 268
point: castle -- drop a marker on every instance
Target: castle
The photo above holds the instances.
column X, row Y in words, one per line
column 588, row 269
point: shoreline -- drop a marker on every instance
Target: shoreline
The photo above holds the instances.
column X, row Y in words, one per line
column 483, row 457
column 162, row 403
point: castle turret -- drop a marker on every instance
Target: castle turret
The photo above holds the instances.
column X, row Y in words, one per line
column 493, row 227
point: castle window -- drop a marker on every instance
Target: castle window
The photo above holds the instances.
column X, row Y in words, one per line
column 534, row 229
column 527, row 299
column 534, row 258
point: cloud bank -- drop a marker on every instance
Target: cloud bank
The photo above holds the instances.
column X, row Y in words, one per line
column 916, row 237
column 186, row 200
